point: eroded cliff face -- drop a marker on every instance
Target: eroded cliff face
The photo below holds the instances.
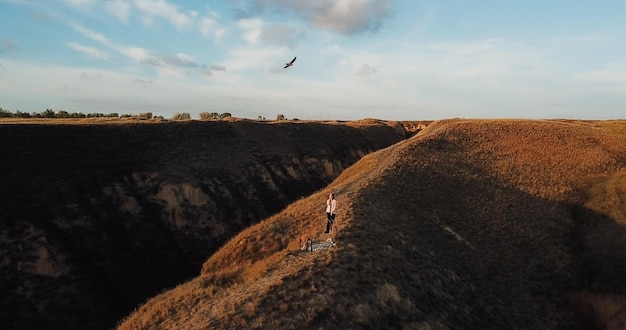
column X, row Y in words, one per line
column 98, row 218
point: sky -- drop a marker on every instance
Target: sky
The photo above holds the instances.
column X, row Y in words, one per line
column 356, row 59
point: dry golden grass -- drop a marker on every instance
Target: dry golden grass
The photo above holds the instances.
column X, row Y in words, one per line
column 607, row 195
column 142, row 203
column 469, row 224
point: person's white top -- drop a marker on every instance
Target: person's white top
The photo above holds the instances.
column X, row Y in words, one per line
column 331, row 205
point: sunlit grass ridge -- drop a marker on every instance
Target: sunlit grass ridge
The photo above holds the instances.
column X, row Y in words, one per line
column 469, row 224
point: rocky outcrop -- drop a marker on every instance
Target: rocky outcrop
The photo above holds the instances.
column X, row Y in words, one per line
column 96, row 218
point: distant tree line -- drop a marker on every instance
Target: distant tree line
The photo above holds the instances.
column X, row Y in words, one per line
column 214, row 115
column 49, row 113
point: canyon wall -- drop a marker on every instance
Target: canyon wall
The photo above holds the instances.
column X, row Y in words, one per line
column 96, row 218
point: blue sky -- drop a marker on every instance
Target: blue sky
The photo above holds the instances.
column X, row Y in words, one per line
column 394, row 60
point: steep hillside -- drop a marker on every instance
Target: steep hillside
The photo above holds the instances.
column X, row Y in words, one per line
column 97, row 217
column 500, row 224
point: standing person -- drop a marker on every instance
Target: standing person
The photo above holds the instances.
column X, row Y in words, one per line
column 331, row 207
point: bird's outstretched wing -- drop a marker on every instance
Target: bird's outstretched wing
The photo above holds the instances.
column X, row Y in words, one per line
column 290, row 63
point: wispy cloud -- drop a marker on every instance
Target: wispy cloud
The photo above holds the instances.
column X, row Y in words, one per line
column 610, row 78
column 90, row 75
column 142, row 81
column 251, row 59
column 8, row 45
column 210, row 27
column 118, row 8
column 251, row 29
column 255, row 31
column 90, row 34
column 346, row 17
column 281, row 34
column 80, row 3
column 133, row 52
column 164, row 10
column 89, row 51
column 366, row 69
column 167, row 64
column 181, row 60
column 178, row 60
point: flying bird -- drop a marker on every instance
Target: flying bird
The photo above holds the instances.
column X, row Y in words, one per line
column 290, row 63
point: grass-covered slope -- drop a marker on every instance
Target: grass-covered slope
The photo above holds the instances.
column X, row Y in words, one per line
column 471, row 224
column 98, row 216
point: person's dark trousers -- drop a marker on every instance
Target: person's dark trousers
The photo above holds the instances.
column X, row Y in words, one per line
column 329, row 222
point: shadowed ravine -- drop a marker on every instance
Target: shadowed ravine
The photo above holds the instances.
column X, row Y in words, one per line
column 96, row 218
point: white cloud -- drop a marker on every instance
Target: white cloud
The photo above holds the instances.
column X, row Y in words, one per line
column 610, row 78
column 219, row 34
column 251, row 29
column 90, row 75
column 178, row 60
column 162, row 9
column 177, row 65
column 280, row 34
column 366, row 69
column 252, row 36
column 249, row 58
column 89, row 51
column 136, row 53
column 181, row 59
column 346, row 17
column 210, row 27
column 132, row 52
column 256, row 31
column 119, row 9
column 76, row 89
column 91, row 34
column 80, row 3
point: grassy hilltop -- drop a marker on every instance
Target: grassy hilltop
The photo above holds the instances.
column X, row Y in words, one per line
column 475, row 224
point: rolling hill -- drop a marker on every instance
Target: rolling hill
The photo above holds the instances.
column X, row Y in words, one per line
column 500, row 224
